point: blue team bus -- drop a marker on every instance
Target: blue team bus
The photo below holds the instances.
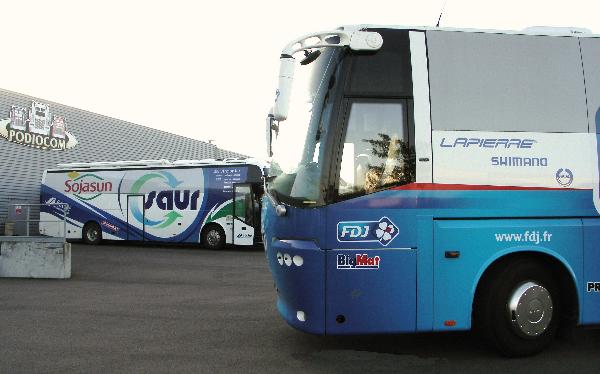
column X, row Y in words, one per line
column 427, row 179
column 213, row 202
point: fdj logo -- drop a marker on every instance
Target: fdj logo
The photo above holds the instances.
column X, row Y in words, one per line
column 382, row 231
column 355, row 231
column 358, row 261
column 165, row 200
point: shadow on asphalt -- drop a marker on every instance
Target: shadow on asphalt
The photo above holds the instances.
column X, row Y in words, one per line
column 459, row 352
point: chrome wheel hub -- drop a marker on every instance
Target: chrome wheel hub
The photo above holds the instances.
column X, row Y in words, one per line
column 530, row 309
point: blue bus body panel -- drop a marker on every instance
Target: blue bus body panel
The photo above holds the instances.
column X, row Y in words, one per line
column 428, row 222
column 425, row 274
column 374, row 298
column 470, row 202
column 590, row 285
column 299, row 288
column 480, row 243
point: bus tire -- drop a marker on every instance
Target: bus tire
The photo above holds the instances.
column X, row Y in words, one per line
column 519, row 308
column 213, row 237
column 92, row 233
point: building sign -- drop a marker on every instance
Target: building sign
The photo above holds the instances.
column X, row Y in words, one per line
column 37, row 127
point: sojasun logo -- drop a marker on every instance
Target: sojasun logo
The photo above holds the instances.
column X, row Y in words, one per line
column 86, row 186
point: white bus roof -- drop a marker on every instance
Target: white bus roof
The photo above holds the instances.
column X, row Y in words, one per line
column 535, row 30
column 159, row 163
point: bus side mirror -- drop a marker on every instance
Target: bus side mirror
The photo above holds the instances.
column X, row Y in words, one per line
column 284, row 89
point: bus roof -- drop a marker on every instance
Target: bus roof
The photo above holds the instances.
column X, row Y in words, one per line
column 535, row 30
column 140, row 164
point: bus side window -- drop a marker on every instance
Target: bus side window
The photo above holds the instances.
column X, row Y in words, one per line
column 377, row 149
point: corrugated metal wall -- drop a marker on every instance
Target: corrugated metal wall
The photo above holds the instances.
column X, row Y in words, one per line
column 100, row 138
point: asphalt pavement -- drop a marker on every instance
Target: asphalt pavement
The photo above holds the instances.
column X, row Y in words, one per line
column 155, row 309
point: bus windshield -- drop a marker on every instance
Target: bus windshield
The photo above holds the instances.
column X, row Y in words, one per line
column 295, row 172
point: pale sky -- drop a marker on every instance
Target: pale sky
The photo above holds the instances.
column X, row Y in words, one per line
column 208, row 70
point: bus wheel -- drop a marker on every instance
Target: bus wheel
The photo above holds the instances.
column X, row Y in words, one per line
column 518, row 308
column 213, row 237
column 92, row 234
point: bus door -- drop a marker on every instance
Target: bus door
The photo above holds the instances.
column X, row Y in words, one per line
column 372, row 259
column 135, row 217
column 243, row 214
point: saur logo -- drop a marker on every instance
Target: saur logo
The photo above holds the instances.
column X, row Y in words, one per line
column 382, row 231
column 170, row 200
column 87, row 186
column 358, row 261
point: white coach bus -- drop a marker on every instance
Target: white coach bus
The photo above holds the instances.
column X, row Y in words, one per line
column 215, row 202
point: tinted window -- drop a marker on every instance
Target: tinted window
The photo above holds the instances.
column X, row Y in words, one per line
column 494, row 82
column 590, row 49
column 243, row 204
column 386, row 72
column 378, row 151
